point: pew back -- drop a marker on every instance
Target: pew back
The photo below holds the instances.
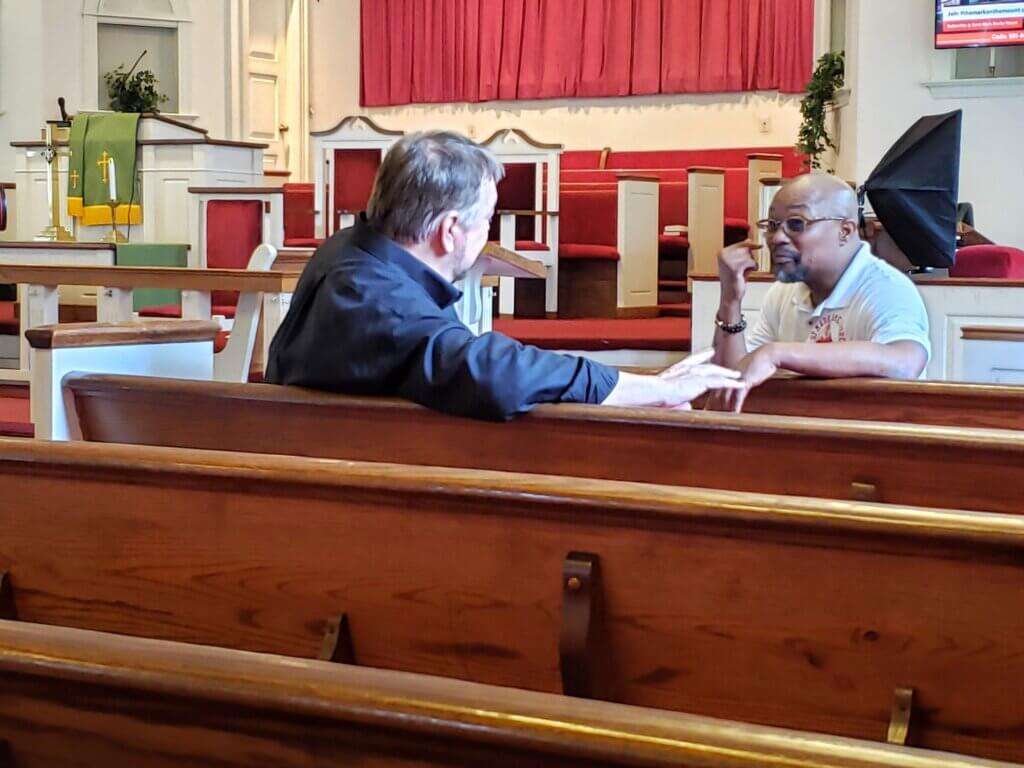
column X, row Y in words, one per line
column 898, row 464
column 783, row 611
column 986, row 406
column 89, row 698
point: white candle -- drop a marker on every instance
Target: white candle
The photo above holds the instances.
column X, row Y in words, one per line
column 113, row 180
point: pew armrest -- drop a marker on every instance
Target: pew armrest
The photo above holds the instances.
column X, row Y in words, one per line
column 171, row 348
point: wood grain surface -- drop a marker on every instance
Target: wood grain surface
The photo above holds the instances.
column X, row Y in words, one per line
column 78, row 697
column 797, row 613
column 67, row 335
column 929, row 466
column 942, row 403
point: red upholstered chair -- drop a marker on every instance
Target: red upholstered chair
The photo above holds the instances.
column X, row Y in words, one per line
column 527, row 212
column 352, row 183
column 234, row 229
column 345, row 162
column 994, row 261
column 299, row 217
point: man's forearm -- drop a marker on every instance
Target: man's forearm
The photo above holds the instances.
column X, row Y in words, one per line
column 730, row 348
column 900, row 360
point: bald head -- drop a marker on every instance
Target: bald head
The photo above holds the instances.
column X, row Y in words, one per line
column 819, row 232
column 821, row 194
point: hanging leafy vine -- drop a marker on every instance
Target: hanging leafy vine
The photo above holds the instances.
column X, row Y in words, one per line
column 828, row 78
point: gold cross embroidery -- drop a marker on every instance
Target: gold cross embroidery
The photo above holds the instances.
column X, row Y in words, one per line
column 104, row 164
column 74, row 179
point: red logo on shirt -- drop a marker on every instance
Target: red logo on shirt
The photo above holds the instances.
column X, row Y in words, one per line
column 829, row 328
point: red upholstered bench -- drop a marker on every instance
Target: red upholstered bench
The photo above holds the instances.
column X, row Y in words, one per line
column 995, row 261
column 588, row 253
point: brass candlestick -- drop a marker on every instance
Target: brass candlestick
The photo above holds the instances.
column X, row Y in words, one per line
column 113, row 236
column 57, row 131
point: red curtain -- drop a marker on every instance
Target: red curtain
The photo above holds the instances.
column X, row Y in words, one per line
column 431, row 51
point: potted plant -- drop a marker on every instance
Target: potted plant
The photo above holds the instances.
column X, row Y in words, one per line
column 133, row 91
column 828, row 79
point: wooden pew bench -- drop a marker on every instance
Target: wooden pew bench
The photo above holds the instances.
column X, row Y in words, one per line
column 89, row 698
column 941, row 403
column 891, row 463
column 791, row 612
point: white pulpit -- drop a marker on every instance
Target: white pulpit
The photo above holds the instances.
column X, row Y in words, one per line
column 173, row 156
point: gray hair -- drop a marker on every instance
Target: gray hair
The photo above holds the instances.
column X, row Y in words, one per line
column 424, row 176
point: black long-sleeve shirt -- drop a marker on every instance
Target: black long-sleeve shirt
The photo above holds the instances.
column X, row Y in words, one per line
column 369, row 318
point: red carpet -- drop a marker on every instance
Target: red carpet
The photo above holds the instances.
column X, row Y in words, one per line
column 661, row 333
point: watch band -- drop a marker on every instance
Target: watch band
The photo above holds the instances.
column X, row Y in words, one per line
column 732, row 328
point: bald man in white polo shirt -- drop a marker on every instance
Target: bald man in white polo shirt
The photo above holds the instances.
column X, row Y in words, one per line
column 836, row 310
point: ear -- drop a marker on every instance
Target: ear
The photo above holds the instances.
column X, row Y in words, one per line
column 847, row 230
column 446, row 234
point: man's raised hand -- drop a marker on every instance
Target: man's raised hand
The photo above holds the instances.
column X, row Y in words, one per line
column 734, row 263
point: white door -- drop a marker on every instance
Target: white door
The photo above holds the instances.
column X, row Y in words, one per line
column 265, row 77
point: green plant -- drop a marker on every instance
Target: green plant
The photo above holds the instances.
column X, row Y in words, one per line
column 133, row 91
column 827, row 80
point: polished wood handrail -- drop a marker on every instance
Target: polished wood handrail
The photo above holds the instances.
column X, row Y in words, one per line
column 543, row 725
column 236, row 191
column 77, row 335
column 940, row 403
column 183, row 278
column 991, row 333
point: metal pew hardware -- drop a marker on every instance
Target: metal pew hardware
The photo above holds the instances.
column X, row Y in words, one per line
column 337, row 646
column 7, row 608
column 899, row 720
column 581, row 593
column 863, row 492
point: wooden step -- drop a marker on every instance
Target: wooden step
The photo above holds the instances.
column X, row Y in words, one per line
column 675, row 309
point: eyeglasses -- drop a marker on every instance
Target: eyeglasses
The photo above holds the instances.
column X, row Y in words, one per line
column 794, row 225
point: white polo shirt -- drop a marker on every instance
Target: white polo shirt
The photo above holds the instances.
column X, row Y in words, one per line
column 871, row 302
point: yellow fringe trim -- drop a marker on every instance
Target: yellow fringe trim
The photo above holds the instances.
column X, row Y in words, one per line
column 98, row 215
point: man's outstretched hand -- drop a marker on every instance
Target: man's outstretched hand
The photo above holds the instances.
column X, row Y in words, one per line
column 755, row 369
column 674, row 387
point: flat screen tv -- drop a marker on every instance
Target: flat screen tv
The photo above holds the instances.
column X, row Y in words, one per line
column 978, row 23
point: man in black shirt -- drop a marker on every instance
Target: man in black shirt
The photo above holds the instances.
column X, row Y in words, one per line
column 373, row 312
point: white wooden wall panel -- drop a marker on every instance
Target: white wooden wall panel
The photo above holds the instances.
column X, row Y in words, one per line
column 638, row 244
column 706, row 220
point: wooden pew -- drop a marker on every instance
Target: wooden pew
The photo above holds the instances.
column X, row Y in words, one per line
column 987, row 406
column 89, row 698
column 891, row 463
column 797, row 613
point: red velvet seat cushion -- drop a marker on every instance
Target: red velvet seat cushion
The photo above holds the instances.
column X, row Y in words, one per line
column 589, row 217
column 234, row 228
column 303, row 242
column 299, row 218
column 583, row 251
column 354, row 172
column 530, row 245
column 220, row 341
column 997, row 261
column 169, row 311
